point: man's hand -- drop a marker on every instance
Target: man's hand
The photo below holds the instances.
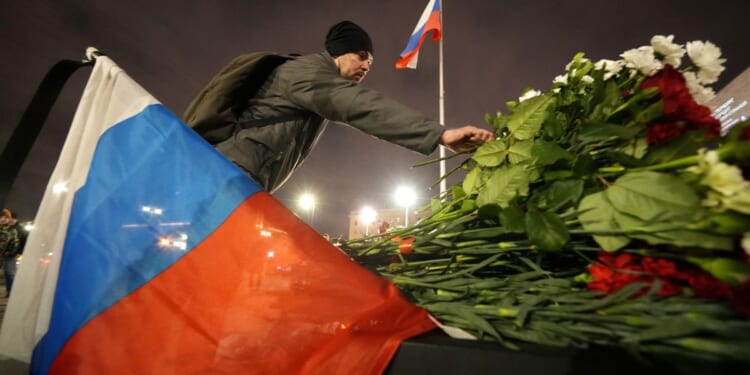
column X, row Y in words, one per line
column 465, row 138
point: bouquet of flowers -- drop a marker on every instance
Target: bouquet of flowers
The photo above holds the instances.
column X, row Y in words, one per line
column 610, row 210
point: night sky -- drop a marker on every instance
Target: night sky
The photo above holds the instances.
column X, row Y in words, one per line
column 493, row 50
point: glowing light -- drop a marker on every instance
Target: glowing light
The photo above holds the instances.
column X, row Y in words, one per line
column 405, row 196
column 265, row 233
column 307, row 202
column 60, row 187
column 367, row 215
column 164, row 242
column 28, row 227
column 271, row 254
column 152, row 210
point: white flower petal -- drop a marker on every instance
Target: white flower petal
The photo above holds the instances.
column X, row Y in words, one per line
column 671, row 52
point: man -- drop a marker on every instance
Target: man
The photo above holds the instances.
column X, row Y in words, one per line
column 283, row 120
column 9, row 247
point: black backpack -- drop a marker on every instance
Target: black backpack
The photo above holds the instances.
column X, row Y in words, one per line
column 214, row 111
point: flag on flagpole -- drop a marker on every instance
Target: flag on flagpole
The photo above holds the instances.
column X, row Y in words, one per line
column 152, row 253
column 429, row 21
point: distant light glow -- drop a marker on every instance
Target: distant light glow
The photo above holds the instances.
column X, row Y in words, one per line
column 405, row 196
column 367, row 215
column 265, row 233
column 171, row 243
column 152, row 210
column 60, row 187
column 307, row 201
column 271, row 254
column 28, row 227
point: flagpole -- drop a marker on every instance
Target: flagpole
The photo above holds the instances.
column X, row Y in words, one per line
column 441, row 96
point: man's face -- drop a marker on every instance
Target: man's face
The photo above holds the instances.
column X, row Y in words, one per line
column 354, row 65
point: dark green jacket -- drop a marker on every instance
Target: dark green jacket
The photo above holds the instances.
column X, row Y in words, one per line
column 284, row 120
column 9, row 241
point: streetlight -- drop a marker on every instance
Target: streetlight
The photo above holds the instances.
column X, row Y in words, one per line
column 367, row 216
column 405, row 197
column 307, row 203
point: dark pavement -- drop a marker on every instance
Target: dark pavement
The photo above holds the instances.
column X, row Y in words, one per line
column 8, row 366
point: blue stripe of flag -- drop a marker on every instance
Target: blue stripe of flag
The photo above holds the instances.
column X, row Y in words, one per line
column 112, row 244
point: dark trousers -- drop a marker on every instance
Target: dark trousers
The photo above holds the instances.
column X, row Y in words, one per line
column 10, row 273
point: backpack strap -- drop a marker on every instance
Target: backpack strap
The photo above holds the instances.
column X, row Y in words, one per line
column 28, row 128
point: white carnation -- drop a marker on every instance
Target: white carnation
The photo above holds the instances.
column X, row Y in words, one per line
column 671, row 52
column 707, row 57
column 643, row 60
column 529, row 94
column 561, row 79
column 570, row 64
column 611, row 67
column 700, row 93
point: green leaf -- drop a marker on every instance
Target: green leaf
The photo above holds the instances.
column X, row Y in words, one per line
column 520, row 151
column 672, row 232
column 597, row 214
column 505, row 184
column 557, row 175
column 727, row 270
column 547, row 153
column 512, row 219
column 594, row 132
column 584, row 165
column 489, row 211
column 529, row 116
column 468, row 205
column 685, row 145
column 651, row 195
column 611, row 99
column 457, row 192
column 491, row 154
column 636, row 148
column 554, row 125
column 563, row 193
column 435, row 204
column 546, row 230
column 726, row 223
column 470, row 181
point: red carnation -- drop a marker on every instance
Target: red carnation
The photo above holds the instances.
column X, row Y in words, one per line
column 681, row 112
column 707, row 286
column 740, row 299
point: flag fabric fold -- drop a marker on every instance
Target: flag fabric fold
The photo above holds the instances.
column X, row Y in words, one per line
column 153, row 253
column 429, row 21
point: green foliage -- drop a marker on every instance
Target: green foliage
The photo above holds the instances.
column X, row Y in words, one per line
column 505, row 255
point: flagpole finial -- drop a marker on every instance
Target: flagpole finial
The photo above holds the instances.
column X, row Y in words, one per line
column 92, row 53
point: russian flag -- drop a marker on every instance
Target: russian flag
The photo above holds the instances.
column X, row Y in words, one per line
column 429, row 21
column 153, row 254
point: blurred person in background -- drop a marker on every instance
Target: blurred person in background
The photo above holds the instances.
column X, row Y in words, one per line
column 10, row 246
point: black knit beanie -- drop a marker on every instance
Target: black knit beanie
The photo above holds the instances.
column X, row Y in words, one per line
column 347, row 36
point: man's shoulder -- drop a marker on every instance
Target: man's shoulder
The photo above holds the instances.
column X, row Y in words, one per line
column 313, row 60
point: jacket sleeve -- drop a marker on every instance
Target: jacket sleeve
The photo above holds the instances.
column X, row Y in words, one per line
column 320, row 89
